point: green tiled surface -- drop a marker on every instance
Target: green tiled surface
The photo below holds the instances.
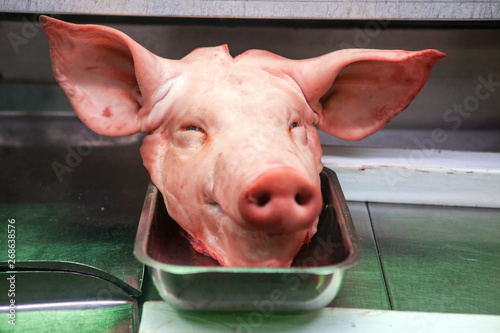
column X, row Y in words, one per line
column 363, row 285
column 440, row 259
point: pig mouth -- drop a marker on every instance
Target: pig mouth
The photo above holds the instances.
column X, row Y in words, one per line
column 215, row 206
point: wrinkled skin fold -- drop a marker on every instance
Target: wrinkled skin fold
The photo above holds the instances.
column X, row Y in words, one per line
column 232, row 142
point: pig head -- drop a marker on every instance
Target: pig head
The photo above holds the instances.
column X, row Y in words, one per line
column 232, row 142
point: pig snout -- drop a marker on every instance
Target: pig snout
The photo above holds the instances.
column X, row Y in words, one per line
column 281, row 200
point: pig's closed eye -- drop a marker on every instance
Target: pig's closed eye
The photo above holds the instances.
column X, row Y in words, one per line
column 193, row 128
column 189, row 136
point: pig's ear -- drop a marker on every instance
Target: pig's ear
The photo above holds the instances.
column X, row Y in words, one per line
column 354, row 92
column 357, row 92
column 107, row 77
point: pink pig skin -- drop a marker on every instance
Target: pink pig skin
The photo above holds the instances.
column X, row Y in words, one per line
column 232, row 143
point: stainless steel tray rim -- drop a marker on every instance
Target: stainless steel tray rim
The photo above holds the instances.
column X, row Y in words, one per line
column 183, row 270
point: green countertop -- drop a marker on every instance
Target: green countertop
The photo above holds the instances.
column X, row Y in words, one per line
column 440, row 259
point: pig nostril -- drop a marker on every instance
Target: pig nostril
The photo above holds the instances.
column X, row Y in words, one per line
column 302, row 199
column 263, row 199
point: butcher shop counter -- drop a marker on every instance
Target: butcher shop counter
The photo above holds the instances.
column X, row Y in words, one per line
column 75, row 199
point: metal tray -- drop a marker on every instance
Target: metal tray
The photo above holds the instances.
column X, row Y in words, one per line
column 190, row 281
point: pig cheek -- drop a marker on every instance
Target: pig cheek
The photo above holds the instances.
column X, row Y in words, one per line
column 179, row 188
column 176, row 195
column 171, row 175
column 309, row 150
column 152, row 154
column 315, row 147
column 305, row 154
column 185, row 207
column 299, row 136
